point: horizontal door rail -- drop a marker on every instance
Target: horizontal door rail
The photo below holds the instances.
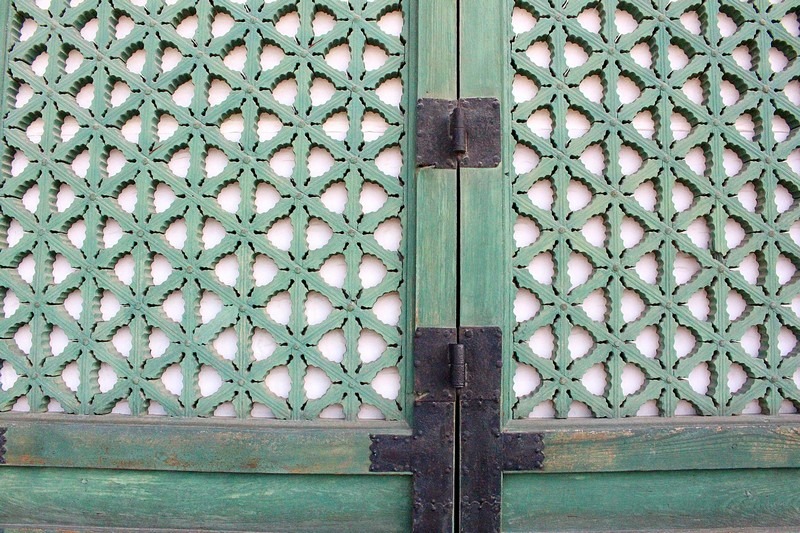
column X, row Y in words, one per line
column 697, row 443
column 192, row 445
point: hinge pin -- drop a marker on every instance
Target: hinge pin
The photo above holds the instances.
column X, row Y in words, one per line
column 458, row 366
column 459, row 131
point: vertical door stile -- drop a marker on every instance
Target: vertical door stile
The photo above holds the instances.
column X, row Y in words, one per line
column 483, row 227
column 483, row 205
column 433, row 445
column 436, row 224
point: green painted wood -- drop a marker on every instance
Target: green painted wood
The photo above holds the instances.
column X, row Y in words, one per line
column 483, row 228
column 483, row 53
column 436, row 190
column 484, row 206
column 641, row 501
column 437, row 51
column 4, row 20
column 192, row 445
column 667, row 444
column 436, row 279
column 182, row 471
column 655, row 530
column 678, row 474
column 92, row 530
column 173, row 500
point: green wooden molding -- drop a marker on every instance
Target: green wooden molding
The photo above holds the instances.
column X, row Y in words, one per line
column 436, row 222
column 713, row 500
column 484, row 204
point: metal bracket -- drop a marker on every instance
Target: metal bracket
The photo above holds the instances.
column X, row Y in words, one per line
column 485, row 450
column 523, row 452
column 440, row 365
column 429, row 453
column 390, row 453
column 2, row 446
column 461, row 133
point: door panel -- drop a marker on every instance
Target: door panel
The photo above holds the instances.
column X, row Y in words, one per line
column 689, row 500
column 207, row 260
column 637, row 257
column 153, row 500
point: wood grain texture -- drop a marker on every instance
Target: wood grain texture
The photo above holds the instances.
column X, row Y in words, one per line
column 641, row 501
column 192, row 445
column 656, row 530
column 436, row 210
column 436, row 248
column 47, row 497
column 484, row 194
column 668, row 444
column 436, row 49
column 482, row 296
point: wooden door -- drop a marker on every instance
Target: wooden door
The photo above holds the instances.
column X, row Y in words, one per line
column 637, row 251
column 230, row 288
column 209, row 266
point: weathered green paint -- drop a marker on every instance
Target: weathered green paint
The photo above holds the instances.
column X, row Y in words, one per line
column 700, row 474
column 639, row 475
column 482, row 228
column 181, row 471
column 436, row 50
column 484, row 207
column 192, row 445
column 667, row 444
column 483, row 53
column 196, row 501
column 643, row 501
column 436, row 190
column 436, row 279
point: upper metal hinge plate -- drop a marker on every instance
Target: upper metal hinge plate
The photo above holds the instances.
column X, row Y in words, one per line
column 461, row 133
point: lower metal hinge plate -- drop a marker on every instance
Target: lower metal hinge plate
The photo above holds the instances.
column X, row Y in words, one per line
column 429, row 453
column 486, row 451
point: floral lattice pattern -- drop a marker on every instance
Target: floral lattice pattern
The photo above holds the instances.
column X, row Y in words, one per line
column 202, row 207
column 656, row 190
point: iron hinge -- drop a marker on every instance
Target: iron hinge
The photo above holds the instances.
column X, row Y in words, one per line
column 458, row 366
column 458, row 133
